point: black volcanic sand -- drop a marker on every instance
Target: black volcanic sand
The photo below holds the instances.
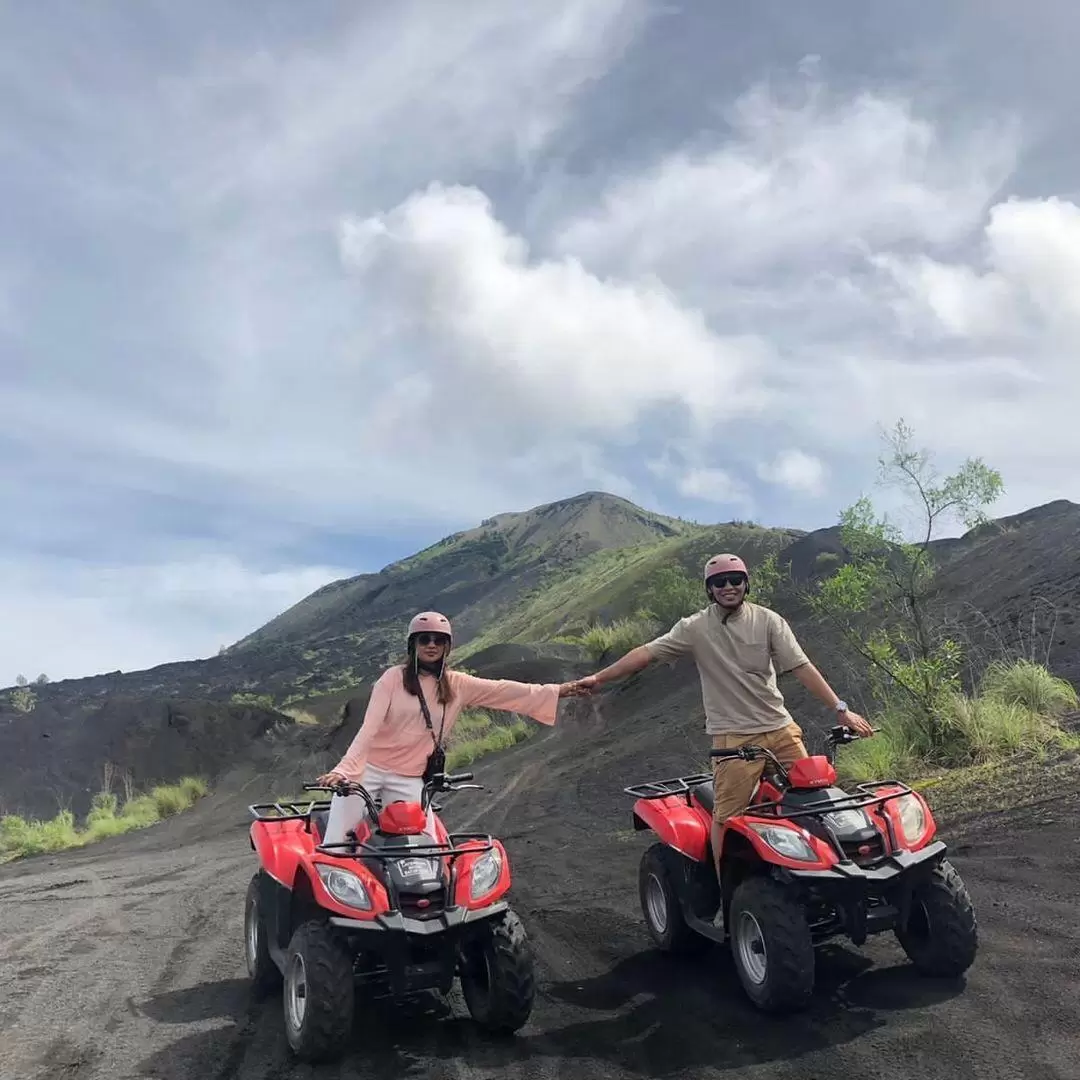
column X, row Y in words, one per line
column 126, row 960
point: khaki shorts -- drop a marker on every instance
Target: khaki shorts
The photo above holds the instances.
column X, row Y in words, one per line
column 734, row 779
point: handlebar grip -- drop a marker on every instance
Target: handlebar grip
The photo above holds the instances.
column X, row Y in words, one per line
column 458, row 778
column 736, row 752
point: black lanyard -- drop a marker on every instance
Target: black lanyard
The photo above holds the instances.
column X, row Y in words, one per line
column 427, row 715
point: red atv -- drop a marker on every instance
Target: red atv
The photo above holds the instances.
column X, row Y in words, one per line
column 386, row 910
column 806, row 862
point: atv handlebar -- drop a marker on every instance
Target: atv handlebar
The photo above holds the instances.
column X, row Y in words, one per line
column 841, row 733
column 438, row 783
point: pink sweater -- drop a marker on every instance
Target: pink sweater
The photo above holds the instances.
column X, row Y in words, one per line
column 394, row 736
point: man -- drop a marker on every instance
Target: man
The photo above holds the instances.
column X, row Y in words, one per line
column 739, row 648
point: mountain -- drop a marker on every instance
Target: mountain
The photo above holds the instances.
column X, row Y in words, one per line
column 535, row 580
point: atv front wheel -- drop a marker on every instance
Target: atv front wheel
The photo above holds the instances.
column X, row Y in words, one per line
column 941, row 936
column 771, row 946
column 264, row 974
column 318, row 993
column 660, row 904
column 497, row 974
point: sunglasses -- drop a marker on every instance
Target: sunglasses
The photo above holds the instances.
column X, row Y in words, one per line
column 722, row 581
column 431, row 639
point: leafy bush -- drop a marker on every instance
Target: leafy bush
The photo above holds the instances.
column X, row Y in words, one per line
column 670, row 594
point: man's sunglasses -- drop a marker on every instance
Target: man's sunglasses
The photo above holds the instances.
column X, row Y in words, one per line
column 722, row 581
column 431, row 639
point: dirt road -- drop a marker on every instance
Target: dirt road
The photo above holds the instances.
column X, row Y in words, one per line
column 126, row 960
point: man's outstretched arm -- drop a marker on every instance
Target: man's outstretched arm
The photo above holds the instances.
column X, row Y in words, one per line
column 634, row 661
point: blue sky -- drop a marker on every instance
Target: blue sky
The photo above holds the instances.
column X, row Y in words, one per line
column 286, row 296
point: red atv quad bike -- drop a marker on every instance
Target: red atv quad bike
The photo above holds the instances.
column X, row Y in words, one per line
column 386, row 911
column 804, row 863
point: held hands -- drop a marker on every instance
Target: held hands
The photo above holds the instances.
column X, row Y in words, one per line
column 578, row 688
column 330, row 778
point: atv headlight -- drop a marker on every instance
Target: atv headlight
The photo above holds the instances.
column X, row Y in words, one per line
column 485, row 873
column 344, row 886
column 849, row 820
column 785, row 841
column 912, row 817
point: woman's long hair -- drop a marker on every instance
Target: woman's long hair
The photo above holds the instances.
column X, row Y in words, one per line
column 411, row 680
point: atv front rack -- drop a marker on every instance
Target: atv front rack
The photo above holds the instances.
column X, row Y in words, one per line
column 661, row 789
column 857, row 801
column 360, row 849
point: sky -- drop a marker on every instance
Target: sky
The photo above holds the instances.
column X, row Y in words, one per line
column 292, row 291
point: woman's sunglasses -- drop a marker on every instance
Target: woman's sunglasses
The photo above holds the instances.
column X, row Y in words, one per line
column 431, row 639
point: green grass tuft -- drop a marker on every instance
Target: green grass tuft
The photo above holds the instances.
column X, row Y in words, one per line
column 466, row 750
column 1016, row 711
column 19, row 837
column 1030, row 685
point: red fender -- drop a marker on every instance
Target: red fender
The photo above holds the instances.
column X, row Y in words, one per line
column 684, row 828
column 279, row 846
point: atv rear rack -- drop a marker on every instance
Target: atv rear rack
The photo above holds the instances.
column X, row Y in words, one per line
column 287, row 811
column 661, row 789
column 362, row 850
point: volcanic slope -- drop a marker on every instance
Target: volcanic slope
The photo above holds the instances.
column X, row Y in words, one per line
column 126, row 961
column 526, row 579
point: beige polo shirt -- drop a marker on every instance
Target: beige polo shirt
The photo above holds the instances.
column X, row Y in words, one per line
column 738, row 658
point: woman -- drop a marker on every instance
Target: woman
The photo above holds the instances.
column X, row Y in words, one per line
column 411, row 712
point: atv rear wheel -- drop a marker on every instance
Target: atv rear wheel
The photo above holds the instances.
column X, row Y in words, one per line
column 319, row 993
column 660, row 904
column 497, row 974
column 264, row 974
column 941, row 936
column 771, row 946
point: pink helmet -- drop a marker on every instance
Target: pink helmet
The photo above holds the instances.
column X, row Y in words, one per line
column 725, row 564
column 431, row 622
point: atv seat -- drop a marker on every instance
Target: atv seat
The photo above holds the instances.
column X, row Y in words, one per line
column 705, row 794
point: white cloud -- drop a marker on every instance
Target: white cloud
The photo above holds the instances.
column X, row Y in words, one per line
column 817, row 184
column 568, row 349
column 711, row 485
column 68, row 619
column 798, row 471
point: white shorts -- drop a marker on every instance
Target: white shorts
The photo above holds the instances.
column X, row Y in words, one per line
column 348, row 811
